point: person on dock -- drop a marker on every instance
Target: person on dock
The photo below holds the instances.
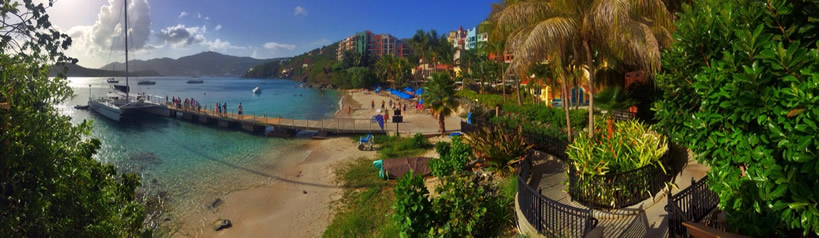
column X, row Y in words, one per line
column 239, row 108
column 224, row 108
column 218, row 108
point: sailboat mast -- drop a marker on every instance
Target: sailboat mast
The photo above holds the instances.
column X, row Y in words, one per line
column 127, row 86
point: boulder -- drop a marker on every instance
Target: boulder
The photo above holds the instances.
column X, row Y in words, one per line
column 221, row 224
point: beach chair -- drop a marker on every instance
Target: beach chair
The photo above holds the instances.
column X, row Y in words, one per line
column 365, row 142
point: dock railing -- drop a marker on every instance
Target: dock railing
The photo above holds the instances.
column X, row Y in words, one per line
column 337, row 125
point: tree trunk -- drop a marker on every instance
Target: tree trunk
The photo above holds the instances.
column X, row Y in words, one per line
column 517, row 82
column 503, row 76
column 441, row 123
column 566, row 105
column 591, row 87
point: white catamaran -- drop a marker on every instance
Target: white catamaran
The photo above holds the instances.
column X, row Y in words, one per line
column 118, row 104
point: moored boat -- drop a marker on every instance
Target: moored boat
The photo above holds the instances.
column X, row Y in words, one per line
column 257, row 90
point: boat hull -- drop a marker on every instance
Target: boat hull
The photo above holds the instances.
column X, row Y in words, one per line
column 105, row 110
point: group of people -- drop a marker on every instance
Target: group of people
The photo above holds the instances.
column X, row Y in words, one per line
column 221, row 109
column 186, row 104
column 193, row 105
column 400, row 105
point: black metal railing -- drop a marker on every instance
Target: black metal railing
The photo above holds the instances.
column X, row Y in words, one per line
column 622, row 115
column 547, row 216
column 691, row 204
column 541, row 141
column 617, row 190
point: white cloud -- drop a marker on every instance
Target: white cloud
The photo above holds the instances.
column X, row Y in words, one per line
column 180, row 36
column 183, row 14
column 278, row 46
column 218, row 27
column 299, row 11
column 219, row 45
column 107, row 32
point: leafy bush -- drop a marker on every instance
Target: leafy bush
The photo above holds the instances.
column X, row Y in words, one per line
column 461, row 208
column 630, row 145
column 740, row 91
column 454, row 158
column 364, row 201
column 413, row 211
column 420, row 141
column 500, row 147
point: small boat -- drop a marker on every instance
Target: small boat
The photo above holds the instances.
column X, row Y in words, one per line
column 195, row 81
column 112, row 80
column 81, row 107
column 146, row 82
column 257, row 90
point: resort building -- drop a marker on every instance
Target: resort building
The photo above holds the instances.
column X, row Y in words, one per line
column 471, row 38
column 457, row 38
column 376, row 44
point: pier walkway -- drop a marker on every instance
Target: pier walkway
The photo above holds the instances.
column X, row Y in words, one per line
column 284, row 127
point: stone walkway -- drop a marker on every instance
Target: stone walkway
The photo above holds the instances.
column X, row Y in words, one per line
column 646, row 219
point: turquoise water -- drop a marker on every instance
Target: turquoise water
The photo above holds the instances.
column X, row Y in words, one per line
column 190, row 162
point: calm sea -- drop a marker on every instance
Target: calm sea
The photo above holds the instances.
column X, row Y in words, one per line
column 192, row 163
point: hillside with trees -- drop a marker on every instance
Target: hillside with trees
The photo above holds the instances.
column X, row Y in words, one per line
column 314, row 67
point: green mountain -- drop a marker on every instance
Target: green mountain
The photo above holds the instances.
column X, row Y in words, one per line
column 79, row 71
column 314, row 67
column 202, row 64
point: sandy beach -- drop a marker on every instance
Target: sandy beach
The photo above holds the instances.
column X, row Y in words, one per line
column 298, row 204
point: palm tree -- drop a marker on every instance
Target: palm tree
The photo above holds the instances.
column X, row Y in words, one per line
column 439, row 94
column 630, row 31
column 384, row 68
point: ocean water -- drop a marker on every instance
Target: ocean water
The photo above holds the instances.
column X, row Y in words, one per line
column 192, row 163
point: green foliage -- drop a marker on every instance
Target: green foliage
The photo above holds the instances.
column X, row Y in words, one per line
column 502, row 148
column 356, row 77
column 612, row 98
column 462, row 207
column 453, row 158
column 50, row 184
column 629, row 145
column 413, row 210
column 399, row 147
column 439, row 96
column 740, row 91
column 364, row 202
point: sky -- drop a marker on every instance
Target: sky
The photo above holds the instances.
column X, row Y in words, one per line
column 259, row 29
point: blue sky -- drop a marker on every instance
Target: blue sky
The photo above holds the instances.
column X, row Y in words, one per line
column 260, row 29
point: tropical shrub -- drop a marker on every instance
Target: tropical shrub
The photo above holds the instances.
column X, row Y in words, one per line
column 500, row 147
column 420, row 141
column 461, row 208
column 628, row 145
column 414, row 213
column 452, row 158
column 50, row 183
column 740, row 90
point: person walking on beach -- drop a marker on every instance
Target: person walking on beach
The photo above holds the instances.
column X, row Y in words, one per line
column 372, row 104
column 349, row 110
column 382, row 104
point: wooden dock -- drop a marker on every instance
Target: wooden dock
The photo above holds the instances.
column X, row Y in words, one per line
column 281, row 127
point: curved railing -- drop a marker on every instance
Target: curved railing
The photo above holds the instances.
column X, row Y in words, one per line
column 618, row 190
column 548, row 216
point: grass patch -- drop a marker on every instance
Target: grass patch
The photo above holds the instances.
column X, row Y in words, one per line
column 399, row 147
column 365, row 208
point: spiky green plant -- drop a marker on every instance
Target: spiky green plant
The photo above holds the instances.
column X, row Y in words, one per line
column 500, row 147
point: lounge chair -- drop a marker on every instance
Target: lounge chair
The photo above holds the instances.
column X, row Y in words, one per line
column 365, row 142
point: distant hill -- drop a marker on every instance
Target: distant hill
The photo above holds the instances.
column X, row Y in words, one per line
column 318, row 68
column 79, row 71
column 202, row 64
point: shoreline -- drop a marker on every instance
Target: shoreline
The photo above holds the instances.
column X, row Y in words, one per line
column 298, row 201
column 301, row 194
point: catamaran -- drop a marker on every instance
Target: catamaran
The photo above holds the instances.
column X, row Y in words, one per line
column 119, row 103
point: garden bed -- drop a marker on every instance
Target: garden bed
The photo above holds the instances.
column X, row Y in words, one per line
column 619, row 190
